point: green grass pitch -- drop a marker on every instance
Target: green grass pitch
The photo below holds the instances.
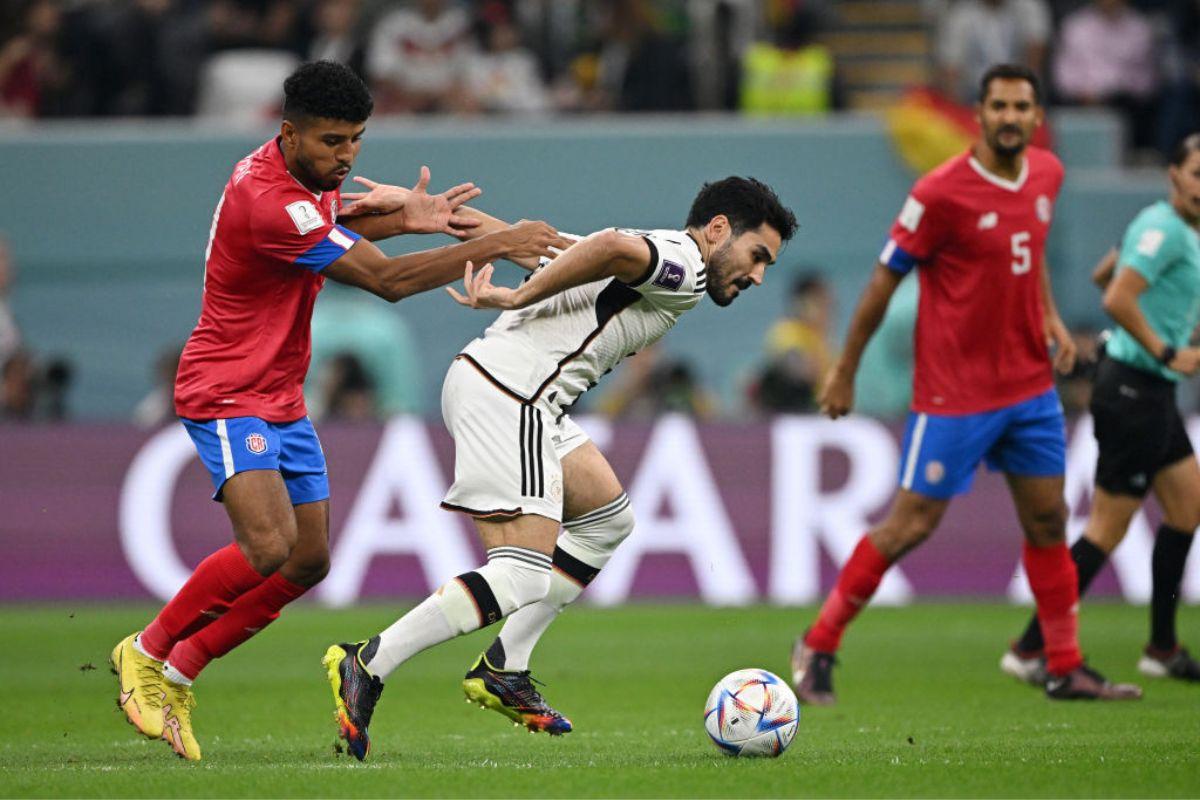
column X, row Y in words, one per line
column 924, row 712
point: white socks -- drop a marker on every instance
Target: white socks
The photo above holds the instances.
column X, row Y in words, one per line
column 585, row 546
column 512, row 578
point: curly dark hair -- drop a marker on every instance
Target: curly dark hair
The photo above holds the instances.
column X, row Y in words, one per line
column 326, row 90
column 747, row 203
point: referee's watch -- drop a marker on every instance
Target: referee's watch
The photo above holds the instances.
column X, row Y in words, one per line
column 1167, row 355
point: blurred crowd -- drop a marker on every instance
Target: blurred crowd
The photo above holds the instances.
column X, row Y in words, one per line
column 32, row 386
column 183, row 57
column 226, row 58
column 1140, row 58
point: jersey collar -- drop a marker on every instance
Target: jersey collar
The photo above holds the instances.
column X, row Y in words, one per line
column 699, row 250
column 996, row 180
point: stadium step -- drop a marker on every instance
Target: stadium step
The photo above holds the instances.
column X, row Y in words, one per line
column 882, row 48
column 877, row 13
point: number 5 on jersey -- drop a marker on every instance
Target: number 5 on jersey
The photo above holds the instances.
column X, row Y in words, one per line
column 1022, row 256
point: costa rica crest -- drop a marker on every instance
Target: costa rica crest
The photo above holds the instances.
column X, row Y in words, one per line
column 256, row 443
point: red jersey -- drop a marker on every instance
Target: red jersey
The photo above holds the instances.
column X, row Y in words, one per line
column 269, row 241
column 978, row 240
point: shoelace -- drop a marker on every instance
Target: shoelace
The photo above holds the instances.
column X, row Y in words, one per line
column 148, row 674
column 521, row 685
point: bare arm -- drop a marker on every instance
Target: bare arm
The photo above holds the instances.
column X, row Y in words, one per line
column 602, row 255
column 364, row 265
column 1056, row 332
column 1121, row 303
column 1102, row 274
column 483, row 224
column 837, row 395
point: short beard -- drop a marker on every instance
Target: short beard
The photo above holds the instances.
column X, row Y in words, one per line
column 717, row 273
column 1005, row 151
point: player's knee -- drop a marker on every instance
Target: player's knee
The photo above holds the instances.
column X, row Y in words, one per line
column 1047, row 526
column 1186, row 520
column 310, row 570
column 516, row 579
column 595, row 536
column 267, row 547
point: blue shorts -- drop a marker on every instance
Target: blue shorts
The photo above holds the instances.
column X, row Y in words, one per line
column 242, row 444
column 942, row 452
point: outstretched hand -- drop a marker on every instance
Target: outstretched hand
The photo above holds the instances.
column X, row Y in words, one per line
column 480, row 292
column 421, row 212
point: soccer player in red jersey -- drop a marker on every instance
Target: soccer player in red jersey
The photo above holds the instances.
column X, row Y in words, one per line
column 983, row 385
column 275, row 238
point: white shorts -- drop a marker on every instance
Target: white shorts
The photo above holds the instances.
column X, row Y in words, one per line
column 507, row 452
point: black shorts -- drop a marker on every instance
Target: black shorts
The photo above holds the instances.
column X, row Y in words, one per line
column 1137, row 425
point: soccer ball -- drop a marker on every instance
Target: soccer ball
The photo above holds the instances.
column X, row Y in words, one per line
column 751, row 712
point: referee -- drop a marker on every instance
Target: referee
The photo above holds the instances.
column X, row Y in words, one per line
column 1155, row 300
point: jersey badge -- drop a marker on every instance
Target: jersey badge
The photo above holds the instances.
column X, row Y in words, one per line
column 305, row 215
column 988, row 221
column 1150, row 242
column 670, row 276
column 910, row 215
column 1043, row 208
column 934, row 472
column 256, row 443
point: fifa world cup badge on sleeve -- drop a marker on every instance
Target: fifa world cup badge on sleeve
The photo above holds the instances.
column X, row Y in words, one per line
column 670, row 276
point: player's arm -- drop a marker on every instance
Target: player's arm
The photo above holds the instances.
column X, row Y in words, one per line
column 485, row 223
column 837, row 394
column 605, row 254
column 1102, row 274
column 1121, row 303
column 393, row 278
column 1054, row 328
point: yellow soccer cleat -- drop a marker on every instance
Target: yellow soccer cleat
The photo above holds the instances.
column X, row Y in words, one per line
column 140, row 687
column 177, row 720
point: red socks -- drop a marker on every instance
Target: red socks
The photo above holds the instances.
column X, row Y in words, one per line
column 252, row 612
column 858, row 580
column 1054, row 582
column 217, row 582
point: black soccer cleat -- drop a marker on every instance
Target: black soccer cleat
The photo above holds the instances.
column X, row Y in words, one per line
column 1177, row 663
column 1085, row 683
column 355, row 692
column 812, row 675
column 512, row 693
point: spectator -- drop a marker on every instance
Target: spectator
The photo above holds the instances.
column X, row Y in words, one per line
column 18, row 387
column 417, row 58
column 158, row 407
column 1106, row 56
column 53, row 383
column 1180, row 111
column 792, row 75
column 347, row 391
column 799, row 350
column 336, row 34
column 31, row 67
column 653, row 383
column 502, row 76
column 10, row 333
column 975, row 34
column 377, row 337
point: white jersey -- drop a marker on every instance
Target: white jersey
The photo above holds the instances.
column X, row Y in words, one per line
column 555, row 350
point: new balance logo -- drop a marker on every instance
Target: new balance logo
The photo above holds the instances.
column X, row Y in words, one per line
column 989, row 221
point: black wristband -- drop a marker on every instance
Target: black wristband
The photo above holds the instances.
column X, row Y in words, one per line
column 1167, row 355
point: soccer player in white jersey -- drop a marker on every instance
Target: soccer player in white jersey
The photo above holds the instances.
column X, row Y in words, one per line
column 523, row 468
